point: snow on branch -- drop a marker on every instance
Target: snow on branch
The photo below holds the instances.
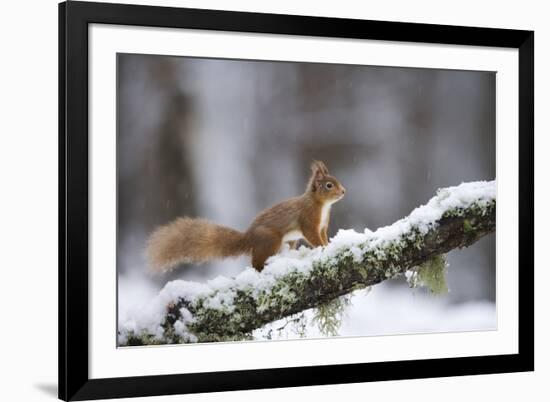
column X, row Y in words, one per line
column 295, row 280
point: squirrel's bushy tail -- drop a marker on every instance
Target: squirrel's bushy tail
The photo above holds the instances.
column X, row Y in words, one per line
column 187, row 240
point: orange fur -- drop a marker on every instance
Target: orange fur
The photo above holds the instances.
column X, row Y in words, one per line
column 192, row 240
column 198, row 240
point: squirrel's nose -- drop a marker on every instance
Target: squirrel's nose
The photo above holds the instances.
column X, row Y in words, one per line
column 343, row 190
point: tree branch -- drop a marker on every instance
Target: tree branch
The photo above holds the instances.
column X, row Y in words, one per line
column 230, row 309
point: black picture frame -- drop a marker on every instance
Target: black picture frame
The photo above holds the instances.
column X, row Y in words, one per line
column 74, row 18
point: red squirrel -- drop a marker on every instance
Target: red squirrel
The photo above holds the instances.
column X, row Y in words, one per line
column 190, row 240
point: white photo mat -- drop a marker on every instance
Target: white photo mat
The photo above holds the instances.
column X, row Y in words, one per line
column 106, row 360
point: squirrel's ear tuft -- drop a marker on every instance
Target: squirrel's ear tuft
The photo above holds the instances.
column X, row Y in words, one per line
column 319, row 168
column 318, row 172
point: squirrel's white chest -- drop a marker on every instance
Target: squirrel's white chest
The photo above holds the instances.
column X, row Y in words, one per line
column 325, row 213
column 297, row 234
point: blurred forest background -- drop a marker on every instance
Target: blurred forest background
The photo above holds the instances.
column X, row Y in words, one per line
column 224, row 139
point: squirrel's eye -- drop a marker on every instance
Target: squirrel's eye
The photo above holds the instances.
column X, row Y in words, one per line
column 329, row 185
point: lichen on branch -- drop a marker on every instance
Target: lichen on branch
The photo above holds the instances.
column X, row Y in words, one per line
column 227, row 309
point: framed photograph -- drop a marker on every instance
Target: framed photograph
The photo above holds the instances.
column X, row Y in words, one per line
column 257, row 200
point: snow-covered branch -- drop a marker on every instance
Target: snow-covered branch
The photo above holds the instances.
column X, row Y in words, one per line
column 295, row 280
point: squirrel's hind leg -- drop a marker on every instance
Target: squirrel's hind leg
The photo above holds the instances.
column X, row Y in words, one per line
column 266, row 244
